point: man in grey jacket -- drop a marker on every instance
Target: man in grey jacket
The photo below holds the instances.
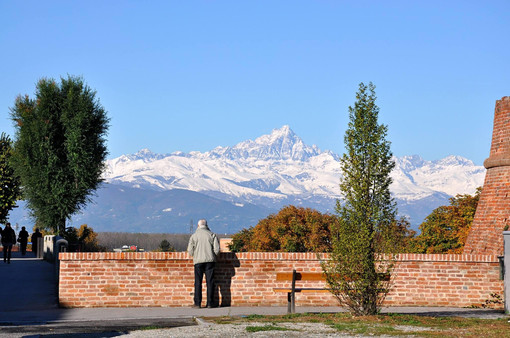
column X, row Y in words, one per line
column 203, row 246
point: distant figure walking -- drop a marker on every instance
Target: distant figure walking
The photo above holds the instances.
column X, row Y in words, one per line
column 8, row 240
column 23, row 240
column 35, row 236
column 204, row 246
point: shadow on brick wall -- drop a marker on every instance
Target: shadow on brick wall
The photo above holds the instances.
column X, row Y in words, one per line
column 224, row 272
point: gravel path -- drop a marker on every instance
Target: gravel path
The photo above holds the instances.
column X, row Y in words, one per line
column 239, row 330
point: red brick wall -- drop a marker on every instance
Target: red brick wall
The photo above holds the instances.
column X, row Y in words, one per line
column 493, row 211
column 247, row 279
column 445, row 280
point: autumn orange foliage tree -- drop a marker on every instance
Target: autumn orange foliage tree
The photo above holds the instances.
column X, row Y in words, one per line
column 89, row 238
column 445, row 230
column 292, row 229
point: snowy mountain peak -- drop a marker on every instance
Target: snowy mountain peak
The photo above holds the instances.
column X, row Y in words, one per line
column 145, row 155
column 409, row 162
column 281, row 144
column 454, row 160
column 283, row 133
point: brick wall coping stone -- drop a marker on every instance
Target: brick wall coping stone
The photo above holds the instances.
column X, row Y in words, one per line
column 279, row 256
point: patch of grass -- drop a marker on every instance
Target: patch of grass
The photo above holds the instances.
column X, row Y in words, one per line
column 406, row 319
column 387, row 324
column 362, row 328
column 292, row 316
column 150, row 327
column 266, row 328
column 251, row 317
column 390, row 330
column 350, row 327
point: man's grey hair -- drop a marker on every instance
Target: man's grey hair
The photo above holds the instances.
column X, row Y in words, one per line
column 202, row 223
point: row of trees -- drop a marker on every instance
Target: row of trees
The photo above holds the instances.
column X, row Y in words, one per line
column 297, row 229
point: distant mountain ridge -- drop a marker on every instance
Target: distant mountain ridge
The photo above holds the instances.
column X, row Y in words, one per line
column 254, row 178
column 281, row 163
column 279, row 169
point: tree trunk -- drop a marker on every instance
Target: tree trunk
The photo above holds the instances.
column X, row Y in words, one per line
column 61, row 227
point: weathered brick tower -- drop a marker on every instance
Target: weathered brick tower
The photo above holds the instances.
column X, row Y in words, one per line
column 493, row 212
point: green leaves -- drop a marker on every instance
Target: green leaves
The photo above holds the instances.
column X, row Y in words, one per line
column 10, row 190
column 367, row 212
column 60, row 148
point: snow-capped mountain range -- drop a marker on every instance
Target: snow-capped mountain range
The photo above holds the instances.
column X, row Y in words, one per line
column 270, row 170
column 279, row 169
column 234, row 187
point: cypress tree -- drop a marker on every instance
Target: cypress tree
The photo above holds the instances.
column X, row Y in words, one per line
column 365, row 217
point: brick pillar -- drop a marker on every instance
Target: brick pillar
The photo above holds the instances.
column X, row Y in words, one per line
column 492, row 215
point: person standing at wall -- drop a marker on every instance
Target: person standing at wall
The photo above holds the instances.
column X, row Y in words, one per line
column 8, row 240
column 204, row 246
column 23, row 240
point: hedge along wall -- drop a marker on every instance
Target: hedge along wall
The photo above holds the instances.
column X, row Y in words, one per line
column 247, row 279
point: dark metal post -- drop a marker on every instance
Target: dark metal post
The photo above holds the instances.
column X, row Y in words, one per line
column 293, row 294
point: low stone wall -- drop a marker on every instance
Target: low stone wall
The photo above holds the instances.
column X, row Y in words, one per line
column 247, row 279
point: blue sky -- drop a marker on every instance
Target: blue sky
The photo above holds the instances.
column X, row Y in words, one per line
column 192, row 75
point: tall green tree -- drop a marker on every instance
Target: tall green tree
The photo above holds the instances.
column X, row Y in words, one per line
column 365, row 228
column 60, row 148
column 10, row 190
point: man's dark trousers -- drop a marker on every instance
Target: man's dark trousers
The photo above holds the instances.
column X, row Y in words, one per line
column 7, row 253
column 208, row 269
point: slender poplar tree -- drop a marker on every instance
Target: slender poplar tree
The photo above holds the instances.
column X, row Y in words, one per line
column 60, row 148
column 10, row 190
column 363, row 232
